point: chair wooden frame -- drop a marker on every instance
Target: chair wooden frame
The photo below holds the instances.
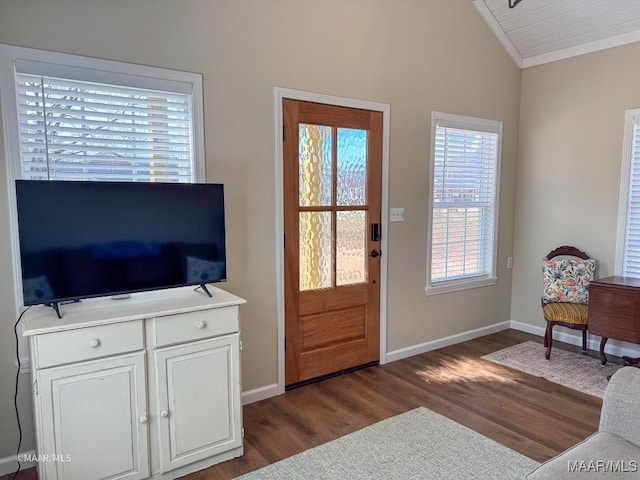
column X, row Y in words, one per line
column 565, row 250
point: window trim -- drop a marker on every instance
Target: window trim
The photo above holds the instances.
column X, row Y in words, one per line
column 472, row 281
column 630, row 117
column 91, row 69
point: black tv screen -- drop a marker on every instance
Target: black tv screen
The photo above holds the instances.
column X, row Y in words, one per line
column 90, row 239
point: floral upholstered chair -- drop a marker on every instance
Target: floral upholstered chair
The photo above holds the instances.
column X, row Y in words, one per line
column 567, row 273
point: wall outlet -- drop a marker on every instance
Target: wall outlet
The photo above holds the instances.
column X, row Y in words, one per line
column 396, row 215
column 509, row 262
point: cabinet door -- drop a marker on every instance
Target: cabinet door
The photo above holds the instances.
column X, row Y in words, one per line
column 198, row 390
column 94, row 420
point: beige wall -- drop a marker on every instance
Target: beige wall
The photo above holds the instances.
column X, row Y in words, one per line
column 569, row 164
column 417, row 55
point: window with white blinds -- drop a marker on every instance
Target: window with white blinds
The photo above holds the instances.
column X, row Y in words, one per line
column 67, row 117
column 463, row 202
column 628, row 251
column 79, row 130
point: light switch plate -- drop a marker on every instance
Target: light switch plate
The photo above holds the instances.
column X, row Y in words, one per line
column 396, row 215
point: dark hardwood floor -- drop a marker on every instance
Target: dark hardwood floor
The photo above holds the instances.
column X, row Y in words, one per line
column 527, row 414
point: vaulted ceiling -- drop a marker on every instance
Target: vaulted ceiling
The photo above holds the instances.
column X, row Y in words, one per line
column 541, row 31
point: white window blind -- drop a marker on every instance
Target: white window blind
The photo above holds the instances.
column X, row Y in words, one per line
column 463, row 199
column 631, row 256
column 79, row 130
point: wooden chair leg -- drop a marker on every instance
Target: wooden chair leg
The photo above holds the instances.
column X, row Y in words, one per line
column 584, row 341
column 547, row 354
column 603, row 357
column 546, row 336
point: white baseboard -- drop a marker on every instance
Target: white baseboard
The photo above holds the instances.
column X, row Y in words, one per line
column 446, row 341
column 528, row 328
column 260, row 393
column 9, row 465
column 613, row 347
column 25, row 365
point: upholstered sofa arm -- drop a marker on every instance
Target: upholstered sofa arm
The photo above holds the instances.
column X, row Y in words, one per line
column 620, row 405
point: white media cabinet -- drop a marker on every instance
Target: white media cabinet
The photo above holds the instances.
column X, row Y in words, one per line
column 144, row 387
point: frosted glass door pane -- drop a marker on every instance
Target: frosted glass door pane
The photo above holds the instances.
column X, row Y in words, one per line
column 351, row 252
column 315, row 165
column 352, row 166
column 316, row 255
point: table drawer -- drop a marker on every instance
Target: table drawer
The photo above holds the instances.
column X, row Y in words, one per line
column 87, row 343
column 186, row 327
column 614, row 312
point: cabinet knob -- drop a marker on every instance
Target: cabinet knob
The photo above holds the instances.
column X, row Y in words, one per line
column 143, row 419
column 200, row 325
column 94, row 343
column 164, row 413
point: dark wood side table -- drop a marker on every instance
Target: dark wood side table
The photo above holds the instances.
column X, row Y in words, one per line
column 614, row 312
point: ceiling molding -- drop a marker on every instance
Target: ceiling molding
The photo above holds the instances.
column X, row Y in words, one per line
column 611, row 42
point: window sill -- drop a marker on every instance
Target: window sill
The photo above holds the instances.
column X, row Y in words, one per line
column 457, row 285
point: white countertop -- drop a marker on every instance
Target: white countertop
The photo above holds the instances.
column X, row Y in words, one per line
column 106, row 310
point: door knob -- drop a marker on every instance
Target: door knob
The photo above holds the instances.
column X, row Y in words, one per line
column 375, row 253
column 164, row 413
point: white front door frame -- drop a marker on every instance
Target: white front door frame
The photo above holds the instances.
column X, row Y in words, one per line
column 279, row 95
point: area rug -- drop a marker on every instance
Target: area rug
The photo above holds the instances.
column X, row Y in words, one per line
column 418, row 444
column 573, row 370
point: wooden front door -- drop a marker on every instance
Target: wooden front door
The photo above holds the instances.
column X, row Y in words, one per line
column 332, row 192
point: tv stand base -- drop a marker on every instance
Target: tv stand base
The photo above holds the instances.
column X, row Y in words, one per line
column 205, row 290
column 56, row 308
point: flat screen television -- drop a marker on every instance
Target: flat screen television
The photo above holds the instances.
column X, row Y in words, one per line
column 90, row 239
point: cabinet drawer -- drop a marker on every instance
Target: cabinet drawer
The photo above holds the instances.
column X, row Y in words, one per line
column 185, row 327
column 88, row 343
